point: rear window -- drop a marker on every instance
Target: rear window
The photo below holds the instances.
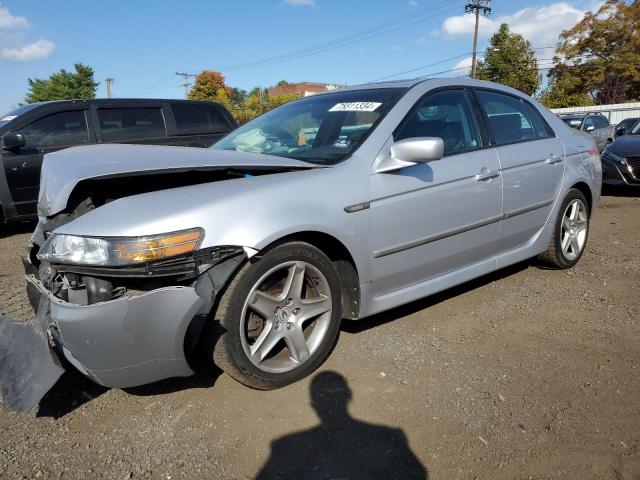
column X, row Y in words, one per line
column 119, row 124
column 195, row 118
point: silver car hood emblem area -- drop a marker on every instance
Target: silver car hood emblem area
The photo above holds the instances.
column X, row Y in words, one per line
column 63, row 170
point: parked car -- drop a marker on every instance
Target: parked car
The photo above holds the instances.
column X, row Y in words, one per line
column 621, row 162
column 629, row 126
column 594, row 123
column 339, row 205
column 31, row 131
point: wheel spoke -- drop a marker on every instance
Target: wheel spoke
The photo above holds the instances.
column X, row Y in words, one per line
column 263, row 304
column 566, row 223
column 565, row 242
column 265, row 342
column 313, row 307
column 575, row 245
column 574, row 211
column 297, row 345
column 294, row 282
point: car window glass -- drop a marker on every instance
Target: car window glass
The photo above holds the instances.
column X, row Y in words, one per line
column 601, row 122
column 56, row 130
column 573, row 122
column 322, row 129
column 118, row 124
column 588, row 122
column 510, row 119
column 192, row 118
column 635, row 130
column 445, row 115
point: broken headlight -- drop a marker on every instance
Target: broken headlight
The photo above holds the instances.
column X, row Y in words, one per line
column 118, row 251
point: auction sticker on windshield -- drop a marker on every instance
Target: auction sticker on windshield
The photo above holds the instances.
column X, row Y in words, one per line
column 355, row 107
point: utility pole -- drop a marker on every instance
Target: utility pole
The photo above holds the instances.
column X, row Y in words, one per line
column 186, row 83
column 108, row 82
column 477, row 7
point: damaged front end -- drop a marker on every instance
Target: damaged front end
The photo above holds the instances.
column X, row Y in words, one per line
column 119, row 326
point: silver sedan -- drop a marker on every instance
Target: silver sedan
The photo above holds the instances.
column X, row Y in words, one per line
column 339, row 205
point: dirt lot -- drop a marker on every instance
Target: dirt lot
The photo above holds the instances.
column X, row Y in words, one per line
column 527, row 373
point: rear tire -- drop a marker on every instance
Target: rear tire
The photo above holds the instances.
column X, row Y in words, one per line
column 570, row 233
column 279, row 317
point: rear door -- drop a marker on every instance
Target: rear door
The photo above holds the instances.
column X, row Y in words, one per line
column 433, row 218
column 131, row 124
column 52, row 132
column 531, row 161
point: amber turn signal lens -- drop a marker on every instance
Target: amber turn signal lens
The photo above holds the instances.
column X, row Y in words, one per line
column 147, row 249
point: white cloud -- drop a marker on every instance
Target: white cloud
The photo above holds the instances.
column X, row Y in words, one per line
column 540, row 25
column 30, row 51
column 299, row 3
column 465, row 67
column 7, row 20
column 13, row 44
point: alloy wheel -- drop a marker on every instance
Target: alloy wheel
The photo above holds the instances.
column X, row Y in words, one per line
column 575, row 223
column 286, row 316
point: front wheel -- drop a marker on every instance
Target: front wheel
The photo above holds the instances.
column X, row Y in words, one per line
column 279, row 317
column 570, row 232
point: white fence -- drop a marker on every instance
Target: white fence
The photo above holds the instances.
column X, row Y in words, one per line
column 615, row 113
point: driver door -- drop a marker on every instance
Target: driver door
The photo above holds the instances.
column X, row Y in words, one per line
column 433, row 218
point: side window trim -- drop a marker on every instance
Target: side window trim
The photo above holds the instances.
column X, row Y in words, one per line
column 550, row 133
column 472, row 110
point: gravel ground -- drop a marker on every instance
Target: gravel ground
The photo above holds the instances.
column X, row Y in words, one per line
column 527, row 373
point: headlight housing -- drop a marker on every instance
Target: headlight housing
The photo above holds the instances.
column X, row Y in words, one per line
column 612, row 156
column 118, row 251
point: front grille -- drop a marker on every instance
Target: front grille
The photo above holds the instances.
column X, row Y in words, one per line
column 634, row 163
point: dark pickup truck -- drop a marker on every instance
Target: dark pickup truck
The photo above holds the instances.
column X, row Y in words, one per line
column 31, row 131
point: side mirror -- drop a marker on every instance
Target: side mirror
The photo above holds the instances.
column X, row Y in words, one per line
column 411, row 151
column 13, row 141
column 590, row 129
column 620, row 131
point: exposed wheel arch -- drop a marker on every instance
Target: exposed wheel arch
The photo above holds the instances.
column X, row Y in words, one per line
column 342, row 260
column 586, row 191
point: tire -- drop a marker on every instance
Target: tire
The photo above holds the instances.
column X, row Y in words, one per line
column 262, row 320
column 574, row 232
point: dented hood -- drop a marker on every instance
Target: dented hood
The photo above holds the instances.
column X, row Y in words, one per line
column 63, row 170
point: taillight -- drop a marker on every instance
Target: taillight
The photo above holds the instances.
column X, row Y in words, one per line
column 594, row 152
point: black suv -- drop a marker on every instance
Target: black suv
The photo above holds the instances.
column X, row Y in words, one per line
column 31, row 131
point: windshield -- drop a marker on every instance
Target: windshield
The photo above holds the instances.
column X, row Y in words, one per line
column 635, row 130
column 573, row 122
column 322, row 129
column 7, row 117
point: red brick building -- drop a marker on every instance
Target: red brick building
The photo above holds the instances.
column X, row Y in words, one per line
column 303, row 89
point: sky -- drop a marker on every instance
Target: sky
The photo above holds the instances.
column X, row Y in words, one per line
column 141, row 44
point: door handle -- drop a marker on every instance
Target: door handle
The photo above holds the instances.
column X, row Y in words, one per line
column 553, row 159
column 487, row 175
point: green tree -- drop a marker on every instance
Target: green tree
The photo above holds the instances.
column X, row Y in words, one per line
column 277, row 100
column 63, row 85
column 510, row 60
column 282, row 83
column 599, row 57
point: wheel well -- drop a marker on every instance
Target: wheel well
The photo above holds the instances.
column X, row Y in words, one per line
column 586, row 191
column 342, row 260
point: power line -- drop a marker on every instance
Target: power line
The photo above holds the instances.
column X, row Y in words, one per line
column 382, row 29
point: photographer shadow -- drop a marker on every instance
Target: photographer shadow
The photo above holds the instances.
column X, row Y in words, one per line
column 341, row 446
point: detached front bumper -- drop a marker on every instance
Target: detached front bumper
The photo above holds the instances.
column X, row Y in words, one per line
column 125, row 342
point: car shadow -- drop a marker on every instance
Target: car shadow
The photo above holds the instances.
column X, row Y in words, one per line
column 10, row 229
column 340, row 446
column 379, row 319
column 620, row 191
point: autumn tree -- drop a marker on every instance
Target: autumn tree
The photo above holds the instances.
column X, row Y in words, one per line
column 210, row 86
column 63, row 85
column 599, row 58
column 510, row 60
